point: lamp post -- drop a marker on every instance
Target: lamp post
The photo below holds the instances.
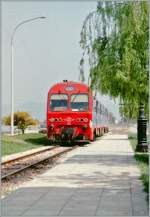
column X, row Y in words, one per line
column 12, row 68
column 142, row 145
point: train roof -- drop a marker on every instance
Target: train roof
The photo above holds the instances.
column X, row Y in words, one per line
column 69, row 86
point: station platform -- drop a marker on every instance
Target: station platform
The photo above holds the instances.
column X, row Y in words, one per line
column 99, row 179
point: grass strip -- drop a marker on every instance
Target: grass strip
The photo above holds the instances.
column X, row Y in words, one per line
column 20, row 143
column 143, row 162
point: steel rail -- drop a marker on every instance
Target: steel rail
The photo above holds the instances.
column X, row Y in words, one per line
column 38, row 162
column 27, row 155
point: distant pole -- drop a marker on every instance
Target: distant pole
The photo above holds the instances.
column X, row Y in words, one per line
column 12, row 69
column 12, row 88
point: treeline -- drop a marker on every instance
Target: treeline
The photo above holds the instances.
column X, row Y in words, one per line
column 21, row 120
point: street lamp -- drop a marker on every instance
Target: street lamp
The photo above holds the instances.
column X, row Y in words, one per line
column 142, row 145
column 12, row 67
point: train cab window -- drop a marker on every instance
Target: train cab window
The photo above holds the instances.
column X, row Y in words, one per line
column 59, row 102
column 79, row 102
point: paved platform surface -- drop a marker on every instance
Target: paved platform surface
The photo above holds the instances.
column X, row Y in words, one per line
column 101, row 179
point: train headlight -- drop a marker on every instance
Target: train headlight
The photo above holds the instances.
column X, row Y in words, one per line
column 85, row 120
column 52, row 119
column 82, row 120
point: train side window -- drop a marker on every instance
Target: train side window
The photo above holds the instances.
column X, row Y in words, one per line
column 59, row 102
column 79, row 102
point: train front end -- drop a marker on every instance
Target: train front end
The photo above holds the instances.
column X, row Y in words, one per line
column 69, row 112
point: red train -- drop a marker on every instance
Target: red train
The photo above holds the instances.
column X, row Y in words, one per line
column 72, row 114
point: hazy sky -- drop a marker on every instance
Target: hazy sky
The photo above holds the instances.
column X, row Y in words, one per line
column 45, row 51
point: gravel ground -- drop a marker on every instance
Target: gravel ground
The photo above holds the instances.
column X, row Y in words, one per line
column 21, row 163
column 10, row 184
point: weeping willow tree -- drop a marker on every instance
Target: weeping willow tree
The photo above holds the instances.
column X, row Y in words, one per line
column 115, row 38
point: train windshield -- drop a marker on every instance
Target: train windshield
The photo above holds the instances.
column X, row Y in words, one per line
column 59, row 102
column 79, row 102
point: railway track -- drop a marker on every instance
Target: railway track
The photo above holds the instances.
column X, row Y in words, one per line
column 22, row 163
column 25, row 155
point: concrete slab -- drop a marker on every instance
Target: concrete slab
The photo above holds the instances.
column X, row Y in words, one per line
column 42, row 212
column 101, row 179
column 115, row 202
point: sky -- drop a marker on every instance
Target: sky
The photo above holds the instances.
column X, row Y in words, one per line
column 46, row 51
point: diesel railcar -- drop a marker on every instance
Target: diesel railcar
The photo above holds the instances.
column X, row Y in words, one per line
column 72, row 114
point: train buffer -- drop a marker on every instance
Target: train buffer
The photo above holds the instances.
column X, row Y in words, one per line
column 99, row 179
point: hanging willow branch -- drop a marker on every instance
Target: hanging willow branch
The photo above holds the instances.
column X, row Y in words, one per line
column 114, row 38
column 97, row 25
